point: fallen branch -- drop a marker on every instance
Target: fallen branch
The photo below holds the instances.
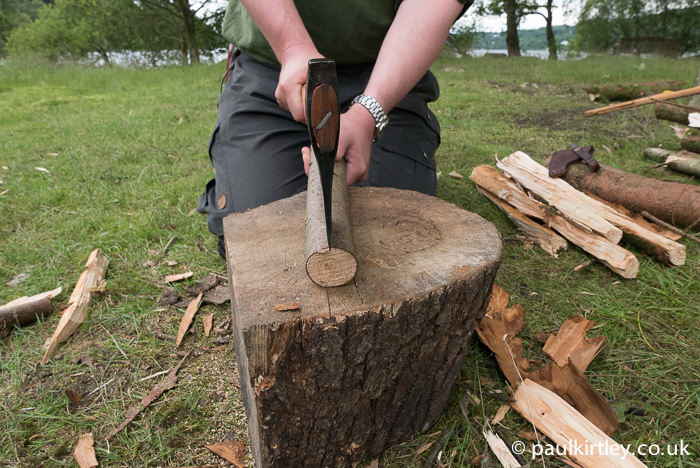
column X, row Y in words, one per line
column 23, row 314
column 92, row 277
column 168, row 383
column 670, row 227
column 643, row 101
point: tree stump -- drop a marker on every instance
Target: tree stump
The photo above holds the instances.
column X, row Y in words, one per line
column 358, row 368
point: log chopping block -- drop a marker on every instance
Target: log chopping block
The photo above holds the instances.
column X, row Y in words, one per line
column 358, row 368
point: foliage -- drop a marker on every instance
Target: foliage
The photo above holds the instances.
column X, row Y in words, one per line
column 75, row 28
column 603, row 23
column 530, row 39
column 462, row 38
column 14, row 13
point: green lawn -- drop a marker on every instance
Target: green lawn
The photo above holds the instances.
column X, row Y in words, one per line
column 126, row 152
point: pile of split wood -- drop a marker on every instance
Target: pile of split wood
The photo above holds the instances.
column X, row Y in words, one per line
column 526, row 193
column 556, row 399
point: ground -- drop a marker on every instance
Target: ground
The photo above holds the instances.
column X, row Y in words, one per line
column 125, row 152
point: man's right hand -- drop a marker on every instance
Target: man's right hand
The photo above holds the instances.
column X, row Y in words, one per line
column 295, row 63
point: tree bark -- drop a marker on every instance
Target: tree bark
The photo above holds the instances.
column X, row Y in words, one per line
column 23, row 313
column 675, row 203
column 187, row 16
column 512, row 40
column 361, row 367
column 336, row 266
column 691, row 141
column 672, row 113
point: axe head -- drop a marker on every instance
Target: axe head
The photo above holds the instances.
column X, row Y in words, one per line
column 323, row 123
column 561, row 159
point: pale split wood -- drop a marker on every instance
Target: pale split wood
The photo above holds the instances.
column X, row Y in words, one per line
column 23, row 300
column 207, row 323
column 572, row 344
column 619, row 260
column 85, row 452
column 547, row 239
column 500, row 414
column 579, row 206
column 187, row 318
column 568, row 429
column 178, row 277
column 91, row 277
column 338, row 265
column 500, row 449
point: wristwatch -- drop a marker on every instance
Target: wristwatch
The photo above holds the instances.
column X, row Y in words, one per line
column 377, row 112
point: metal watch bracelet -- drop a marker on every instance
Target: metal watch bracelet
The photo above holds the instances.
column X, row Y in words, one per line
column 374, row 108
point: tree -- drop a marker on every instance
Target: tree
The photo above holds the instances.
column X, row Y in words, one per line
column 515, row 10
column 604, row 23
column 180, row 22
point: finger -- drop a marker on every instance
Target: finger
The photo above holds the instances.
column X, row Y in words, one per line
column 295, row 104
column 280, row 96
column 306, row 156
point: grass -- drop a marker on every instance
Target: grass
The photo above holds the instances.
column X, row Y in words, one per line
column 126, row 152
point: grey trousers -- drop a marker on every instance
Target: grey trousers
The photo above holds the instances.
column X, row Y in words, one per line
column 256, row 145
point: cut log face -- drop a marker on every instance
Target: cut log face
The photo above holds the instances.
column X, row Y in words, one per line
column 361, row 367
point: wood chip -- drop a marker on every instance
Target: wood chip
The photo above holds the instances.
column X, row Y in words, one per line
column 530, row 434
column 178, row 277
column 231, row 450
column 85, row 452
column 187, row 318
column 41, row 169
column 168, row 383
column 572, row 344
column 207, row 321
column 202, row 285
column 455, row 175
column 219, row 295
column 4, row 192
column 500, row 414
column 500, row 449
column 287, row 306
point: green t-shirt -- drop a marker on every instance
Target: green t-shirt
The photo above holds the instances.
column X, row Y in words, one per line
column 350, row 32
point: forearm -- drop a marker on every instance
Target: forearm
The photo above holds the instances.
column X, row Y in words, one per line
column 412, row 44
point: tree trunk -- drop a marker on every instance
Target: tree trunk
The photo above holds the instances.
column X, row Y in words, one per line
column 551, row 41
column 358, row 368
column 183, row 51
column 187, row 16
column 512, row 40
column 675, row 203
column 695, row 100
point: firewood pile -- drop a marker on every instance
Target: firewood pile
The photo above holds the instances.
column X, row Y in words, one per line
column 552, row 212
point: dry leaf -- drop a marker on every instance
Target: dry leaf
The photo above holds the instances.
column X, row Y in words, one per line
column 528, row 435
column 286, row 306
column 4, row 192
column 455, row 175
column 85, row 452
column 423, row 448
column 607, row 149
column 171, row 263
column 230, row 450
column 187, row 318
column 500, row 414
column 178, row 277
column 374, row 464
column 42, row 169
column 168, row 383
column 73, row 397
column 6, row 168
column 207, row 321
